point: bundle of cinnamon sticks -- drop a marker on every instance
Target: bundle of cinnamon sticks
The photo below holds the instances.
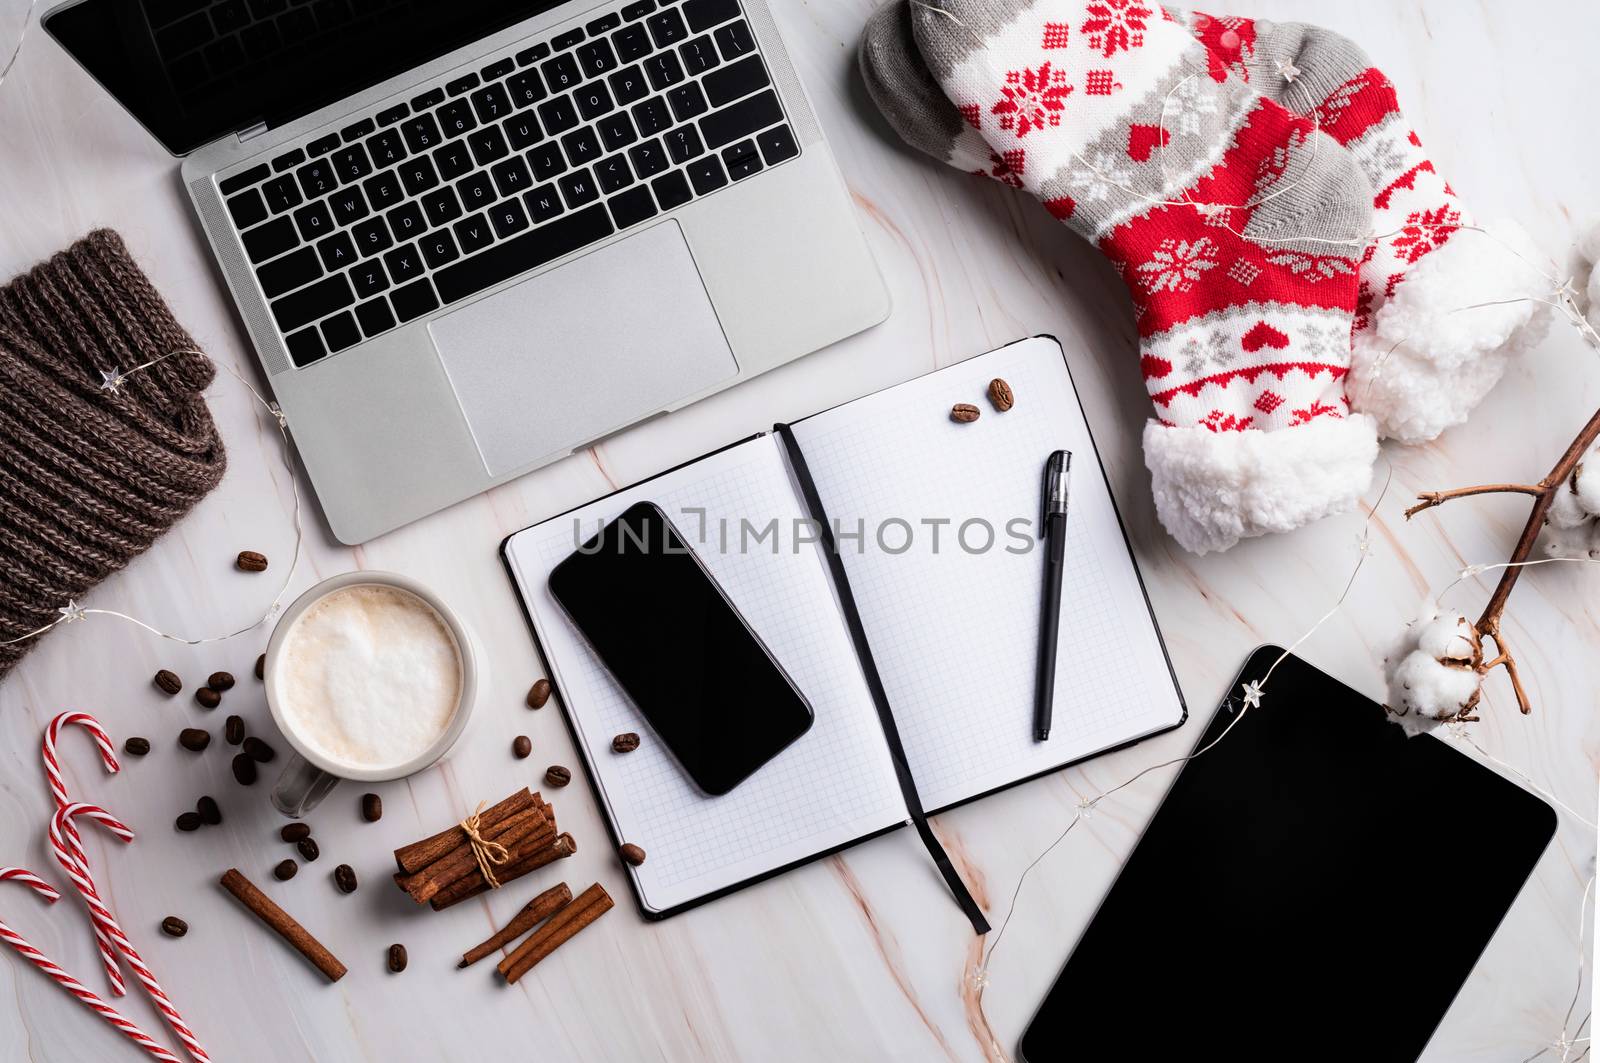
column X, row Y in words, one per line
column 444, row 870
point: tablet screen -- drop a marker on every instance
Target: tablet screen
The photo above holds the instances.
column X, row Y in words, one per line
column 1316, row 887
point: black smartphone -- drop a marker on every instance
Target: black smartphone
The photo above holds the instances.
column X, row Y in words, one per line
column 707, row 684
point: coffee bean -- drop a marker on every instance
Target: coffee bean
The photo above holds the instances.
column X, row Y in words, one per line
column 626, row 742
column 189, row 821
column 538, row 694
column 233, row 730
column 209, row 810
column 193, row 739
column 168, row 682
column 295, row 832
column 220, row 681
column 136, row 747
column 261, row 667
column 174, row 927
column 208, row 698
column 259, row 751
column 521, row 746
column 244, row 770
column 251, row 561
column 344, row 876
column 286, row 870
column 397, row 958
column 964, row 413
column 632, row 854
column 1000, row 395
column 309, row 850
column 556, row 775
column 371, row 807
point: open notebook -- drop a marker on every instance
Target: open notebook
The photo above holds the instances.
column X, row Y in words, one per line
column 945, row 618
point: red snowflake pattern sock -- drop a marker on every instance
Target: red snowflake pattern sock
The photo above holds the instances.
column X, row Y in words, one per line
column 1420, row 362
column 1231, row 219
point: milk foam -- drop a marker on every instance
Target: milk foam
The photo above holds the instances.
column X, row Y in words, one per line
column 368, row 677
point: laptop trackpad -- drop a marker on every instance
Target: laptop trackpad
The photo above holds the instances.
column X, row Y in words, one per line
column 584, row 350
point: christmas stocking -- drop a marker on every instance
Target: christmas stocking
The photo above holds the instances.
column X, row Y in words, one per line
column 1235, row 224
column 1421, row 362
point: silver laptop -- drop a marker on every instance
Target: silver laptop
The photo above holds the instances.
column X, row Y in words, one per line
column 469, row 237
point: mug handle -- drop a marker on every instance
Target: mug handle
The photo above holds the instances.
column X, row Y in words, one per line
column 301, row 787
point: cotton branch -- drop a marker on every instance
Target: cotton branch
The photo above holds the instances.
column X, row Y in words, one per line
column 1543, row 493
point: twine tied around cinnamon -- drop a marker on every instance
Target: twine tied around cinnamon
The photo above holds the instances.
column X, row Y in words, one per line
column 489, row 854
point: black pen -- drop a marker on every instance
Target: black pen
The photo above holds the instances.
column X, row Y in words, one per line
column 1053, row 527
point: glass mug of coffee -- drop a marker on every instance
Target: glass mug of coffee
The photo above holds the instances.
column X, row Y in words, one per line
column 370, row 677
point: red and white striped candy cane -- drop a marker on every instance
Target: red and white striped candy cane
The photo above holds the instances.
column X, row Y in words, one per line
column 58, row 791
column 65, row 980
column 77, row 869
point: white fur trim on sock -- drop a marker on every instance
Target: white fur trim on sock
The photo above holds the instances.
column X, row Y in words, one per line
column 1214, row 488
column 1427, row 362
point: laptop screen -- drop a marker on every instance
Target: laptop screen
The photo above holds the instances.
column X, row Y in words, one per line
column 194, row 70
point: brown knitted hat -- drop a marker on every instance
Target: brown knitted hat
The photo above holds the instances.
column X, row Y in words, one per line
column 89, row 478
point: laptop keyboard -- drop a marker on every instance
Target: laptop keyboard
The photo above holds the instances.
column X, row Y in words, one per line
column 540, row 153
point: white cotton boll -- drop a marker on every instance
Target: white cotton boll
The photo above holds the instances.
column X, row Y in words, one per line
column 1448, row 638
column 1573, row 541
column 1566, row 509
column 1585, row 482
column 1423, row 686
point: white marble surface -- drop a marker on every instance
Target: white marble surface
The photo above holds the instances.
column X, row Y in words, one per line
column 861, row 956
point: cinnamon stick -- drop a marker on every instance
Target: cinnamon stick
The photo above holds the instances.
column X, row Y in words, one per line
column 283, row 924
column 474, row 884
column 418, row 855
column 532, row 825
column 533, row 913
column 590, row 905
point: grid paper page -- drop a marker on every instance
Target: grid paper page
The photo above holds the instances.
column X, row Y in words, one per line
column 955, row 633
column 833, row 785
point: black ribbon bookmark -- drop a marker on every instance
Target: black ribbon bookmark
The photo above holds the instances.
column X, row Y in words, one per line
column 880, row 698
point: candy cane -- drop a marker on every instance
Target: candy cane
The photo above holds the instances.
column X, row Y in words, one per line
column 65, row 980
column 77, row 869
column 58, row 790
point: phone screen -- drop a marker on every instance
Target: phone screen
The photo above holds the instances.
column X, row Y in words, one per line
column 708, row 686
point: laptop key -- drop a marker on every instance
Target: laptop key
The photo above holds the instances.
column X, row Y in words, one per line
column 603, row 24
column 440, row 205
column 305, row 347
column 558, row 115
column 497, row 70
column 313, row 221
column 741, row 120
column 421, row 133
column 511, row 177
column 340, row 332
column 533, row 54
column 567, row 39
column 270, row 240
column 703, row 14
column 349, row 205
column 253, row 176
column 616, row 132
column 581, row 146
column 405, row 221
column 414, row 300
column 288, row 160
column 522, row 130
column 476, row 191
column 488, row 145
column 455, row 118
column 613, row 174
column 652, row 116
column 663, row 70
column 383, row 190
column 684, row 144
column 628, row 86
column 734, row 40
column 631, row 207
column 327, row 296
column 387, row 148
column 672, row 190
column 736, row 81
column 453, row 160
column 639, row 9
column 404, row 263
column 547, row 161
column 472, row 233
column 375, row 317
column 578, row 188
column 336, row 252
column 439, row 248
column 687, row 101
column 316, row 178
column 544, row 203
column 525, row 89
column 741, row 159
column 357, row 130
column 323, row 145
column 461, row 84
column 699, row 55
column 707, row 175
column 648, row 159
column 289, row 272
column 777, row 144
column 368, row 279
column 631, row 42
column 372, row 236
column 391, row 115
column 247, row 208
column 666, row 27
column 431, row 98
column 508, row 218
column 594, row 100
column 561, row 73
column 418, row 175
column 530, row 250
column 491, row 103
column 596, row 58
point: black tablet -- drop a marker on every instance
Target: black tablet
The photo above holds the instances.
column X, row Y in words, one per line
column 1316, row 887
